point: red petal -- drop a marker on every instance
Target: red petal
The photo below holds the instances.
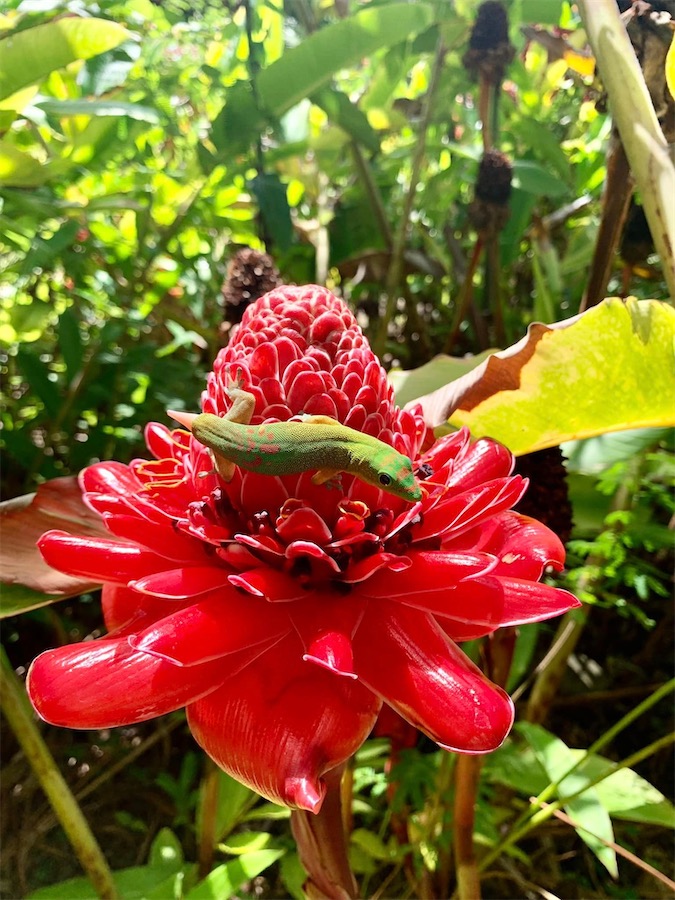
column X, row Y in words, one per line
column 495, row 601
column 304, row 386
column 367, row 566
column 303, row 524
column 211, row 629
column 321, row 405
column 179, row 584
column 126, row 611
column 109, row 478
column 272, row 584
column 404, row 656
column 261, row 492
column 164, row 539
column 160, row 440
column 280, row 724
column 300, row 549
column 483, row 461
column 457, row 512
column 428, row 571
column 326, row 625
column 524, row 547
column 97, row 558
column 104, row 683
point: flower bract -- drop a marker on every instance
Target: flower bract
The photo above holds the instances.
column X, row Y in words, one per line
column 280, row 613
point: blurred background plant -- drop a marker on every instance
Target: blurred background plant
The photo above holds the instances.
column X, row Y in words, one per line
column 163, row 165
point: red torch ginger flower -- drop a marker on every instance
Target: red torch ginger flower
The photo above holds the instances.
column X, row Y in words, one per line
column 280, row 613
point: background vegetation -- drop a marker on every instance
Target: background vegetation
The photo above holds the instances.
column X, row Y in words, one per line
column 141, row 147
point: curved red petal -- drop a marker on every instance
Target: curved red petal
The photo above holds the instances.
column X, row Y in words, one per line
column 523, row 547
column 163, row 539
column 427, row 572
column 303, row 524
column 491, row 601
column 179, row 584
column 326, row 624
column 280, row 724
column 272, row 584
column 211, row 629
column 104, row 683
column 97, row 558
column 406, row 658
column 126, row 611
column 455, row 513
column 482, row 461
column 109, row 478
column 366, row 567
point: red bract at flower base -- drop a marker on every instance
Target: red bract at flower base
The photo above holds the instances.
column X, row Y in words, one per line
column 280, row 613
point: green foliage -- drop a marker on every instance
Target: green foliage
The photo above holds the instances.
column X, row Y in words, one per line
column 141, row 145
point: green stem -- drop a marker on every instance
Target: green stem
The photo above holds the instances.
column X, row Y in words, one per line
column 69, row 814
column 398, row 247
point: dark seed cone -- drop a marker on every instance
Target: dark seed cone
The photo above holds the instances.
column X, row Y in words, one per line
column 489, row 210
column 490, row 50
column 250, row 274
column 547, row 497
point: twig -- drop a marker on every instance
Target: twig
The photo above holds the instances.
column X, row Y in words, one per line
column 617, row 848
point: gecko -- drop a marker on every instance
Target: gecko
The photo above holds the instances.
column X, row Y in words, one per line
column 287, row 448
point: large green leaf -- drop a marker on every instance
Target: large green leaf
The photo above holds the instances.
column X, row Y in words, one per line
column 609, row 369
column 31, row 54
column 304, row 69
column 591, row 819
column 624, row 794
column 225, row 880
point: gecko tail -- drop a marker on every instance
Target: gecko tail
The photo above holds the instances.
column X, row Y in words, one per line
column 185, row 418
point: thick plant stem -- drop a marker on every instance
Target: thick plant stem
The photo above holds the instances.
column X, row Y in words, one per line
column 322, row 845
column 618, row 190
column 467, row 777
column 398, row 247
column 69, row 814
column 641, row 134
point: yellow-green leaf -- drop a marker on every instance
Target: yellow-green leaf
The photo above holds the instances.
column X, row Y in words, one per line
column 18, row 168
column 30, row 55
column 610, row 368
column 670, row 68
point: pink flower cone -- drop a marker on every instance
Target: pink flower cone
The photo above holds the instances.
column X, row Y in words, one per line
column 280, row 613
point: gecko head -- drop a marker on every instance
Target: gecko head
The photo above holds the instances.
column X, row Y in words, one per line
column 398, row 479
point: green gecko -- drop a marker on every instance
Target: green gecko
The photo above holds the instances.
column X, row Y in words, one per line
column 287, row 448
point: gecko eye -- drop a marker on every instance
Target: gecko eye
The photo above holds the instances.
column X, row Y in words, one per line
column 384, row 478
